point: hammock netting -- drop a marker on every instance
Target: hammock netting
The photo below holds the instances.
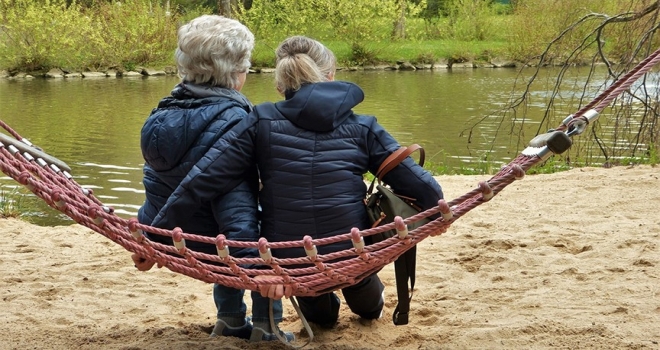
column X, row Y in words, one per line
column 312, row 274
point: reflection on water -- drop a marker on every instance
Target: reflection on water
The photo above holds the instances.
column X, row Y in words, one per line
column 94, row 124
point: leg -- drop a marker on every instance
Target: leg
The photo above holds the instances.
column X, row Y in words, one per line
column 231, row 313
column 229, row 302
column 322, row 310
column 261, row 318
column 366, row 297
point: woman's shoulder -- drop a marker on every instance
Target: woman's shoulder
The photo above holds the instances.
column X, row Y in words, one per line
column 266, row 110
column 365, row 119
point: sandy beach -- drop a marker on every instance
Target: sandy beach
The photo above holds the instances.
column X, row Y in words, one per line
column 568, row 260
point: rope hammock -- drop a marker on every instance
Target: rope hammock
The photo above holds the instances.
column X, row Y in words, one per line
column 312, row 274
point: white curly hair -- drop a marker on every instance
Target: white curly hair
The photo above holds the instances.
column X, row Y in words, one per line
column 213, row 50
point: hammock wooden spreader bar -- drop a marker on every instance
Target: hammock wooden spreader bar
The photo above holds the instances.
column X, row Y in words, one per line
column 313, row 273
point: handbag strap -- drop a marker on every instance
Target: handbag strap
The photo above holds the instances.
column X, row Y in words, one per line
column 395, row 159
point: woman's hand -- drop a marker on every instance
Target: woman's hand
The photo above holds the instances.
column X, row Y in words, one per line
column 141, row 263
column 273, row 291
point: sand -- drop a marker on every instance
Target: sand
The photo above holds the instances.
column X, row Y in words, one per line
column 567, row 260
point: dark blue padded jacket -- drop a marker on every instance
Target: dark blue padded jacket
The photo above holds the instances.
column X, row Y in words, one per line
column 175, row 141
column 312, row 152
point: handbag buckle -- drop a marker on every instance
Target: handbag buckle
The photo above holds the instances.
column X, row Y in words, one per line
column 377, row 222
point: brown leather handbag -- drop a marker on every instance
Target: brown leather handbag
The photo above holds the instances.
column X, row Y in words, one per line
column 383, row 204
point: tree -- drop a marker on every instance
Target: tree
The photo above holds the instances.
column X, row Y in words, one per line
column 399, row 31
column 224, row 8
column 611, row 45
column 404, row 9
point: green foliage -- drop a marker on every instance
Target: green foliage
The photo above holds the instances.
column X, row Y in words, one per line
column 360, row 55
column 437, row 168
column 470, row 19
column 187, row 14
column 273, row 20
column 425, row 57
column 353, row 21
column 465, row 20
column 653, row 154
column 134, row 32
column 37, row 35
column 40, row 35
column 536, row 23
column 10, row 203
column 552, row 165
column 502, row 9
column 408, row 10
column 361, row 20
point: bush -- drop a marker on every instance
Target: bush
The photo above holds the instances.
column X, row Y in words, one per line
column 39, row 36
column 135, row 32
column 537, row 23
column 10, row 203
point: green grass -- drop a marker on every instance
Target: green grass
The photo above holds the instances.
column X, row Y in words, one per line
column 11, row 203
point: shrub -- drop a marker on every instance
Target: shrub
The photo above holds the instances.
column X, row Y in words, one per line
column 135, row 32
column 10, row 203
column 35, row 35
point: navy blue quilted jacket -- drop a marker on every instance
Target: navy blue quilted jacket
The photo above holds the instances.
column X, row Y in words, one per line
column 312, row 152
column 175, row 139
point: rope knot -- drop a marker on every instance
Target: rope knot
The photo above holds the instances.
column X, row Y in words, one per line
column 310, row 248
column 264, row 250
column 179, row 242
column 357, row 239
column 93, row 213
column 486, row 191
column 56, row 196
column 24, row 177
column 223, row 250
column 137, row 233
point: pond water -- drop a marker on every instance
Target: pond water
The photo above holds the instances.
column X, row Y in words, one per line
column 94, row 124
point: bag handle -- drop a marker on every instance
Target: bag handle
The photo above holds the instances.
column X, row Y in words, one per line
column 395, row 159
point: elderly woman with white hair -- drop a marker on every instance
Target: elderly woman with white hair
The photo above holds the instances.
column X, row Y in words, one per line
column 213, row 58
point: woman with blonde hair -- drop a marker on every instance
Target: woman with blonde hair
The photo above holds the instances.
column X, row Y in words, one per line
column 312, row 152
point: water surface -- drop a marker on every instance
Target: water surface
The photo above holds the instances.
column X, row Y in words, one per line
column 94, row 124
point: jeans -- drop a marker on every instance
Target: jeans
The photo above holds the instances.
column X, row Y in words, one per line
column 364, row 299
column 229, row 303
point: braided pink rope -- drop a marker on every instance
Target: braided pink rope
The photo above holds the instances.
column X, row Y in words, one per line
column 622, row 84
column 309, row 275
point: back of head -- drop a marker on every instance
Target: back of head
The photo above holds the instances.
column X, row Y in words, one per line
column 213, row 50
column 301, row 60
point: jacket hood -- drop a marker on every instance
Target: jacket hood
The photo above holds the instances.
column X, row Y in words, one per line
column 185, row 90
column 321, row 107
column 179, row 121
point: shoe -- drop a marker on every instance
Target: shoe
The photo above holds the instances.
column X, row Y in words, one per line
column 259, row 334
column 222, row 329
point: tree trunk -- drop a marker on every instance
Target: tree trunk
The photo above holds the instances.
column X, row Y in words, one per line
column 399, row 31
column 224, row 8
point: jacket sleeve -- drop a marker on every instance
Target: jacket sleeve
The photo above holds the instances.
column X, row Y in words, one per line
column 215, row 174
column 408, row 178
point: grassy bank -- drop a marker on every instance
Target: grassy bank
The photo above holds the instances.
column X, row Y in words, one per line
column 131, row 33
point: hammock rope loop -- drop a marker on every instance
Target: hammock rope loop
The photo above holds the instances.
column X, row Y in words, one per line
column 401, row 227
